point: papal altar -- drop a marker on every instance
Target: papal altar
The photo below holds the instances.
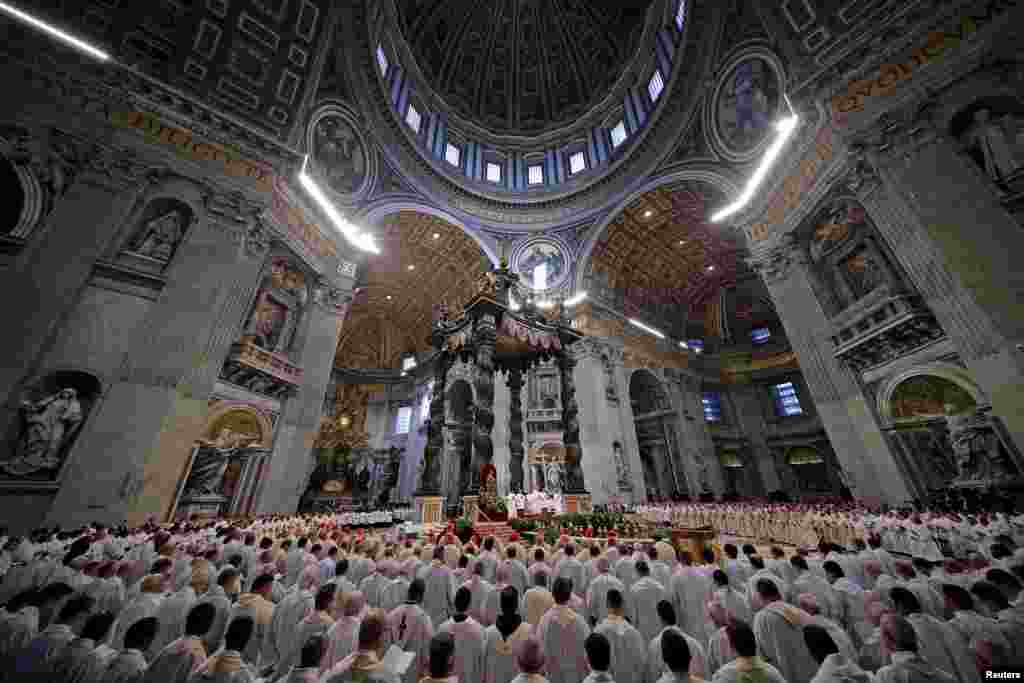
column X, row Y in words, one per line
column 535, row 503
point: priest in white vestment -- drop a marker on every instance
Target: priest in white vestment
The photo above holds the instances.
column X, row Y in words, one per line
column 228, row 665
column 597, row 592
column 562, row 633
column 538, row 600
column 747, row 667
column 778, row 627
column 674, row 651
column 900, row 642
column 468, row 635
column 180, row 659
column 517, row 574
column 343, row 636
column 833, row 666
column 365, row 665
column 438, row 581
column 129, row 665
column 644, row 596
column 72, row 665
column 296, row 606
column 719, row 651
column 691, row 589
column 36, row 658
column 655, row 665
column 937, row 642
column 628, row 647
column 732, row 598
column 410, row 628
column 503, row 640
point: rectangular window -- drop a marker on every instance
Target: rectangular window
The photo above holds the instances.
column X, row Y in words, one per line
column 404, row 420
column 540, row 277
column 577, row 162
column 696, row 345
column 655, row 85
column 786, row 400
column 618, row 134
column 382, row 61
column 536, row 174
column 712, row 401
column 408, row 363
column 453, row 155
column 681, row 15
column 412, row 117
column 759, row 335
column 493, row 172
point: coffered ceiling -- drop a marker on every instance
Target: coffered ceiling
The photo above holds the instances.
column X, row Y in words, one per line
column 662, row 251
column 423, row 261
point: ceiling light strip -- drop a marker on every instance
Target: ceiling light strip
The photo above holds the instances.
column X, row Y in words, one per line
column 785, row 128
column 360, row 240
column 55, row 32
column 646, row 328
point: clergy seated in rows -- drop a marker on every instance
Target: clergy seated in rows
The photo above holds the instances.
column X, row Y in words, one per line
column 655, row 667
column 503, row 641
column 747, row 667
column 562, row 633
column 628, row 647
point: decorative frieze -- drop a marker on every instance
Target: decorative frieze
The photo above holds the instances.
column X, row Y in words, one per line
column 261, row 371
column 884, row 331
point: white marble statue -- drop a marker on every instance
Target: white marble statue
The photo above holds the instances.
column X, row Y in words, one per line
column 47, row 425
column 622, row 468
column 159, row 238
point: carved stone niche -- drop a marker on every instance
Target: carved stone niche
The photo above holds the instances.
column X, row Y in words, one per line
column 156, row 234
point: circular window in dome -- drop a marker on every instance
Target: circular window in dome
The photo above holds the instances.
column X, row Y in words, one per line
column 542, row 264
column 746, row 104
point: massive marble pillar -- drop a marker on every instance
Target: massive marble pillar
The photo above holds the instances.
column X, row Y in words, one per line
column 484, row 336
column 599, row 419
column 570, row 421
column 502, row 453
column 292, row 460
column 750, row 413
column 627, row 422
column 131, row 456
column 960, row 248
column 859, row 444
column 433, row 454
column 697, row 450
column 515, row 430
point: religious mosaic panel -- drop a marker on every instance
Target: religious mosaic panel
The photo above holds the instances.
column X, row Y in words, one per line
column 253, row 57
column 339, row 154
column 747, row 102
column 541, row 264
column 929, row 396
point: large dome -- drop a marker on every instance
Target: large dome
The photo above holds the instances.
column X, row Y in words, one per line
column 522, row 66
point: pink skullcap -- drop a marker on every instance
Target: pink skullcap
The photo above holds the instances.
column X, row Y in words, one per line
column 107, row 570
column 808, row 602
column 310, row 578
column 718, row 613
column 978, row 562
column 875, row 612
column 953, row 566
column 603, row 565
column 91, row 567
column 531, row 657
column 501, row 574
column 873, row 568
column 124, row 569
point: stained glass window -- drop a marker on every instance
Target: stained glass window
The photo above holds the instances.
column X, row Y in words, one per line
column 712, row 401
column 412, row 117
column 577, row 162
column 404, row 420
column 760, row 335
column 696, row 345
column 536, row 174
column 655, row 85
column 453, row 155
column 618, row 134
column 493, row 172
column 787, row 402
column 382, row 61
column 681, row 15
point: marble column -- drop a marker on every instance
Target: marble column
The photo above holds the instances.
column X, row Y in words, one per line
column 627, row 422
column 845, row 413
column 515, row 430
column 959, row 247
column 292, row 460
column 131, row 456
column 574, row 482
column 750, row 414
column 598, row 417
column 433, row 453
column 502, row 425
column 484, row 336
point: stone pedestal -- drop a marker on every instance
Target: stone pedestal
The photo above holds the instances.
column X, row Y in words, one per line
column 431, row 509
column 471, row 508
column 578, row 503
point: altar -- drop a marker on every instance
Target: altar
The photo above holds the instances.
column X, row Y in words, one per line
column 492, row 334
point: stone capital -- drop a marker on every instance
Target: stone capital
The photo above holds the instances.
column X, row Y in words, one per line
column 777, row 262
column 330, row 297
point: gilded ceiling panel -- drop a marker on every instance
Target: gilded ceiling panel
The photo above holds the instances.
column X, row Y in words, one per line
column 423, row 261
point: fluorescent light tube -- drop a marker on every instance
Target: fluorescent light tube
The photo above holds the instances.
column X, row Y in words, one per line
column 684, row 345
column 545, row 304
column 785, row 129
column 55, row 32
column 576, row 299
column 360, row 240
column 645, row 328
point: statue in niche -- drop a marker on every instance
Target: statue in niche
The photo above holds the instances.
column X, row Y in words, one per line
column 339, row 154
column 159, row 238
column 212, row 460
column 622, row 470
column 47, row 426
column 268, row 321
column 863, row 272
column 976, row 447
column 997, row 143
column 553, row 478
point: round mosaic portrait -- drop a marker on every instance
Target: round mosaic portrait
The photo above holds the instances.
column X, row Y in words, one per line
column 541, row 264
column 746, row 105
column 338, row 154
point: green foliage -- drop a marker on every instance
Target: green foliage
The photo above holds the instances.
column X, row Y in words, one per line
column 551, row 536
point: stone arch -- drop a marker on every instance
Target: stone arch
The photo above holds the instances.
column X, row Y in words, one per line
column 376, row 211
column 25, row 199
column 706, row 172
column 948, row 372
column 241, row 416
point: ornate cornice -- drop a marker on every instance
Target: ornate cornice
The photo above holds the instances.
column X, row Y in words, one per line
column 574, row 201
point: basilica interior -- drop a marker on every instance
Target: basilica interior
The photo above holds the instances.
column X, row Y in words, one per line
column 276, row 255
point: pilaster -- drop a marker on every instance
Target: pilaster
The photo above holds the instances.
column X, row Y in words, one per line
column 750, row 414
column 697, row 450
column 845, row 413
